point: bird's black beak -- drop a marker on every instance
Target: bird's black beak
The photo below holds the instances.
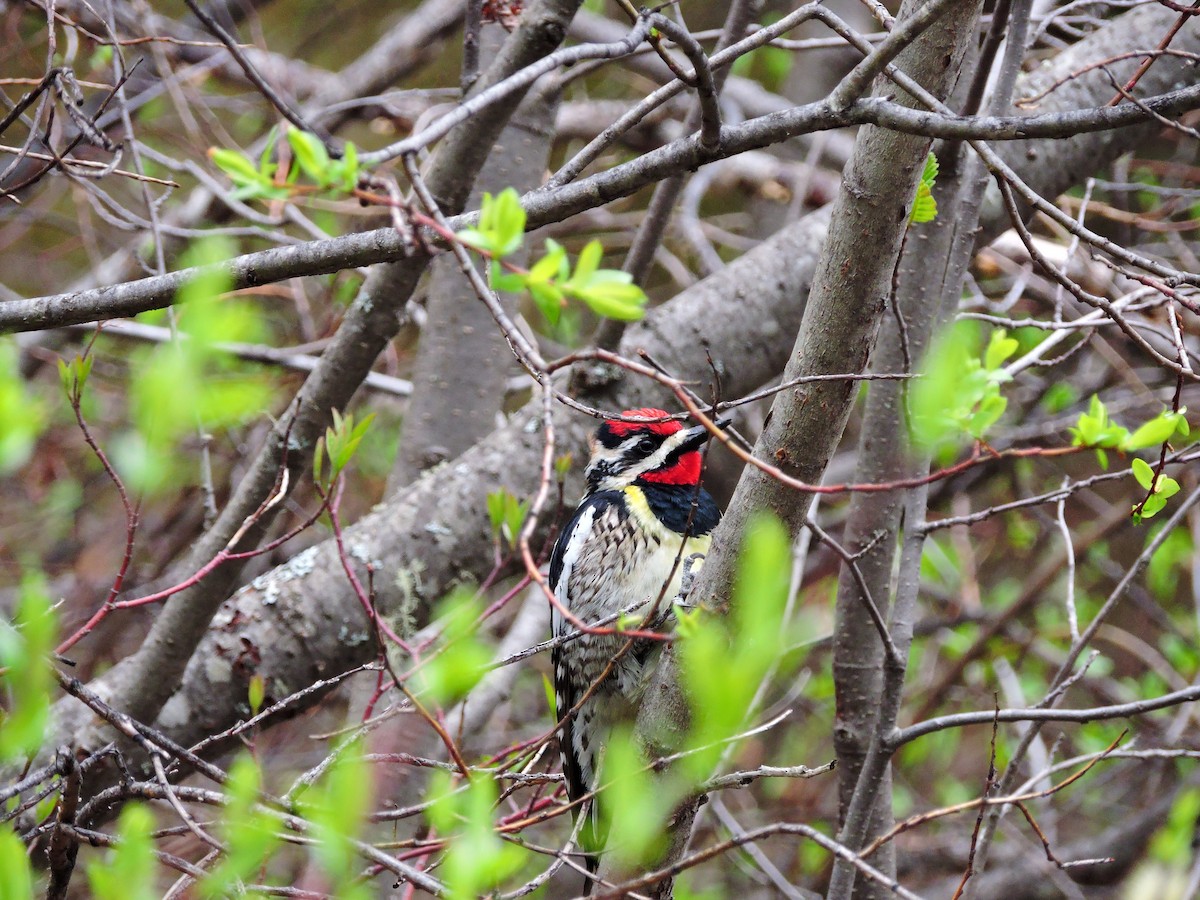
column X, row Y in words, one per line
column 697, row 436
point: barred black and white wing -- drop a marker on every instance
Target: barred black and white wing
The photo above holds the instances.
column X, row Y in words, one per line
column 566, row 689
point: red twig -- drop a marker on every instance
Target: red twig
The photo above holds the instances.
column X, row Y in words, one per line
column 131, row 524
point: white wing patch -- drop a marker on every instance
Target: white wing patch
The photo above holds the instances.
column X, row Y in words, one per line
column 576, row 541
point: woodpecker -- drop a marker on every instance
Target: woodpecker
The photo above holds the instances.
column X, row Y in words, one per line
column 643, row 520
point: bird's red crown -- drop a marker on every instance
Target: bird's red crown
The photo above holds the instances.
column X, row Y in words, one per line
column 624, row 429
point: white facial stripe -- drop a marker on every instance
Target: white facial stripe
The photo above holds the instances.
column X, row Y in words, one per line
column 658, row 457
column 620, row 471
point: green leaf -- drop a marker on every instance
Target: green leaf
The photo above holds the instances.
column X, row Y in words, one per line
column 930, row 172
column 1167, row 487
column 25, row 646
column 101, row 57
column 464, row 657
column 1161, row 489
column 477, row 861
column 612, row 294
column 943, row 398
column 141, row 465
column 1000, row 347
column 22, row 413
column 1154, row 504
column 1059, row 396
column 1157, row 431
column 232, row 400
column 636, row 806
column 588, row 262
column 495, row 509
column 477, row 238
column 256, row 692
column 311, row 155
column 551, row 266
column 1095, row 429
column 1172, row 843
column 562, row 467
column 337, row 807
column 509, row 222
column 989, row 413
column 1171, row 559
column 342, row 439
column 248, row 832
column 549, row 296
column 191, row 383
column 723, row 663
column 549, row 300
column 507, row 514
column 349, row 167
column 266, row 160
column 127, row 872
column 513, row 282
column 924, row 208
column 1181, row 423
column 16, row 882
column 501, row 229
column 74, row 375
column 238, row 167
column 1143, row 473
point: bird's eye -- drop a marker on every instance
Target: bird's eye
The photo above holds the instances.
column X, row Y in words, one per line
column 646, row 445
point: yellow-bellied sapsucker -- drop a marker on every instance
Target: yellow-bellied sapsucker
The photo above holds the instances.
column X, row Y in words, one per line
column 642, row 519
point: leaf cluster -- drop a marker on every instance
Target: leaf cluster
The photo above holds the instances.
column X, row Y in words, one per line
column 550, row 280
column 191, row 384
column 506, row 514
column 127, row 871
column 338, row 446
column 337, row 808
column 477, row 859
column 1096, row 429
column 267, row 179
column 958, row 396
column 463, row 657
column 22, row 414
column 247, row 831
column 723, row 662
column 25, row 675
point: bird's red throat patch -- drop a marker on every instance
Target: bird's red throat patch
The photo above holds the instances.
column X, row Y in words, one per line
column 685, row 471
